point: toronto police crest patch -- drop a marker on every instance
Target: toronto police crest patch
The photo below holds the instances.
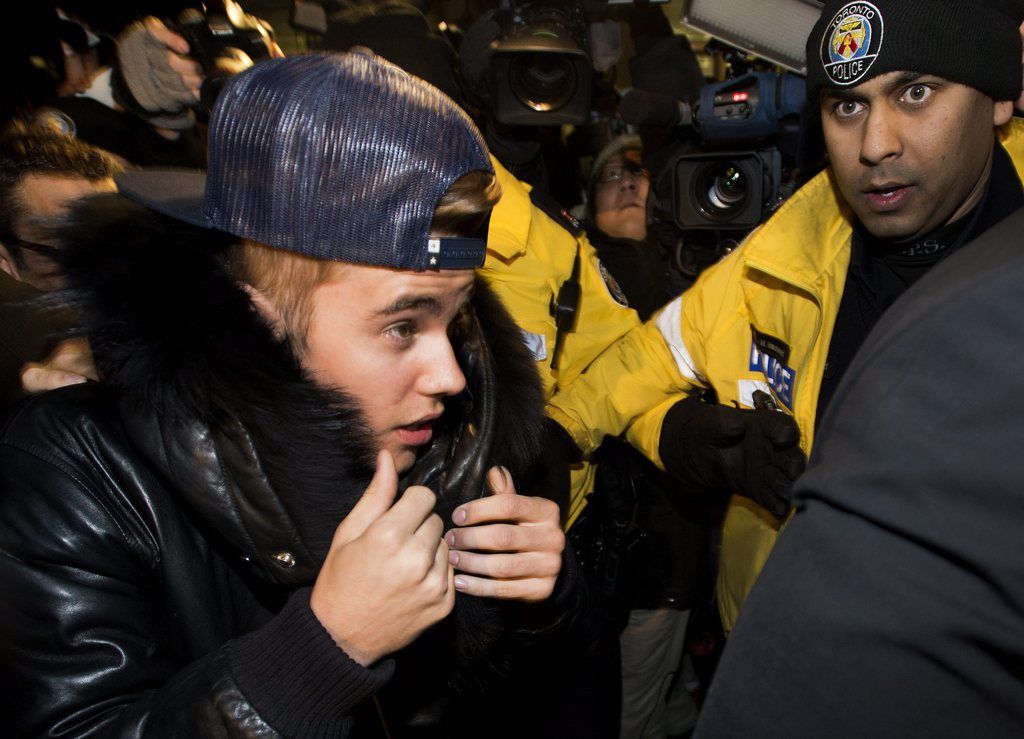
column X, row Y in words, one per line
column 613, row 286
column 851, row 42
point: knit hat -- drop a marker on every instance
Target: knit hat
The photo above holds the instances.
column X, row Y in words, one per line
column 618, row 145
column 340, row 157
column 973, row 42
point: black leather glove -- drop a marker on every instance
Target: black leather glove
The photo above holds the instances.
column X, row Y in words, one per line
column 717, row 448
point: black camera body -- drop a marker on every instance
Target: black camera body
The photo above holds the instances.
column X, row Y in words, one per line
column 725, row 190
column 737, row 176
column 225, row 40
column 541, row 69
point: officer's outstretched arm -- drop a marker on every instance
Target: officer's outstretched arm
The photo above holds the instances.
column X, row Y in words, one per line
column 633, row 376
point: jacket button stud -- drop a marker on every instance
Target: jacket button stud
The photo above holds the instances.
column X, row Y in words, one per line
column 285, row 558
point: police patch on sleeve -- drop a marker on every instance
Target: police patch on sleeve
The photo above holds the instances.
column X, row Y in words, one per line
column 613, row 287
column 851, row 43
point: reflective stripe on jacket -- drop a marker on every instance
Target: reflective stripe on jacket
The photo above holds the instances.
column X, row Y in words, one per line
column 773, row 284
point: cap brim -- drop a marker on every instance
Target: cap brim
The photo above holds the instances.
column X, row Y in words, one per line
column 177, row 193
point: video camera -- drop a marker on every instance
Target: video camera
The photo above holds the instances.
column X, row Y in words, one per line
column 224, row 40
column 541, row 69
column 534, row 66
column 748, row 127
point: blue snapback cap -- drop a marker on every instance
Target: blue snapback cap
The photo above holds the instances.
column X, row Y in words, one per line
column 341, row 157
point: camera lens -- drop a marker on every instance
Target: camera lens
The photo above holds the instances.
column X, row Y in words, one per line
column 543, row 82
column 721, row 189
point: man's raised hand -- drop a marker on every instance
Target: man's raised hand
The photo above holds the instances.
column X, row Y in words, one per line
column 386, row 577
column 506, row 546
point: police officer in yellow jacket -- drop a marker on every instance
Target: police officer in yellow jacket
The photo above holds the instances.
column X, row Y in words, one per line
column 534, row 249
column 541, row 264
column 916, row 103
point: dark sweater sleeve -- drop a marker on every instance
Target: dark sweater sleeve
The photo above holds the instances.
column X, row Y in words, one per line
column 295, row 676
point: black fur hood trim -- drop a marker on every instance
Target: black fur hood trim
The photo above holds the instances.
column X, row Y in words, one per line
column 269, row 460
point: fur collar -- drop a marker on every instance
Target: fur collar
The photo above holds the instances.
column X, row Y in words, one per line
column 268, row 459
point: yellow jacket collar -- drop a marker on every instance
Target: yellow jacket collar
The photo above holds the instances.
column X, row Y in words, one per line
column 511, row 218
column 815, row 214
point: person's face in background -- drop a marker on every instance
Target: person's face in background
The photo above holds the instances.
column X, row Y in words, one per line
column 620, row 197
column 43, row 198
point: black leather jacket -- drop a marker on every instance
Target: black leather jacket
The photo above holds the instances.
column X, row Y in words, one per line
column 159, row 532
column 126, row 615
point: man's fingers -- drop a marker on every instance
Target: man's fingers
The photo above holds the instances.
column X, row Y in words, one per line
column 184, row 66
column 187, row 71
column 165, row 35
column 528, row 589
column 190, row 80
column 507, row 566
column 377, row 499
column 37, row 378
column 506, row 507
column 502, row 537
column 444, row 570
column 500, row 480
column 194, row 85
column 505, row 504
column 75, row 357
column 442, row 564
column 411, row 511
column 430, row 531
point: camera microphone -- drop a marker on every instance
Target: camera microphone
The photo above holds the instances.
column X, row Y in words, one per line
column 645, row 108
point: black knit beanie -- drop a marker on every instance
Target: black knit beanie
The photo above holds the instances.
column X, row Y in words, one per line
column 973, row 42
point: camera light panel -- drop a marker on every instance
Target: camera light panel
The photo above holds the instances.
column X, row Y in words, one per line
column 775, row 30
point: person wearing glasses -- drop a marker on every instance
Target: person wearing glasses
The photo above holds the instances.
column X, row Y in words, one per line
column 660, row 583
column 616, row 224
column 41, row 173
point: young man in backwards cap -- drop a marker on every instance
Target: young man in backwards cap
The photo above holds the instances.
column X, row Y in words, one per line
column 916, row 103
column 270, row 337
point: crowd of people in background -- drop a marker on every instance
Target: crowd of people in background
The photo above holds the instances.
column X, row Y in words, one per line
column 335, row 407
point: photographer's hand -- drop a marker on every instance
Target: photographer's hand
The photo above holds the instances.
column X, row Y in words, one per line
column 154, row 77
column 176, row 55
column 507, row 546
column 70, row 363
column 386, row 577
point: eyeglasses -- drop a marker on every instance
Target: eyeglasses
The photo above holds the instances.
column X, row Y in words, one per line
column 34, row 246
column 616, row 174
column 43, row 250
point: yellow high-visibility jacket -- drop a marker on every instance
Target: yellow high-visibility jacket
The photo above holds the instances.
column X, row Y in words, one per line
column 785, row 282
column 529, row 256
